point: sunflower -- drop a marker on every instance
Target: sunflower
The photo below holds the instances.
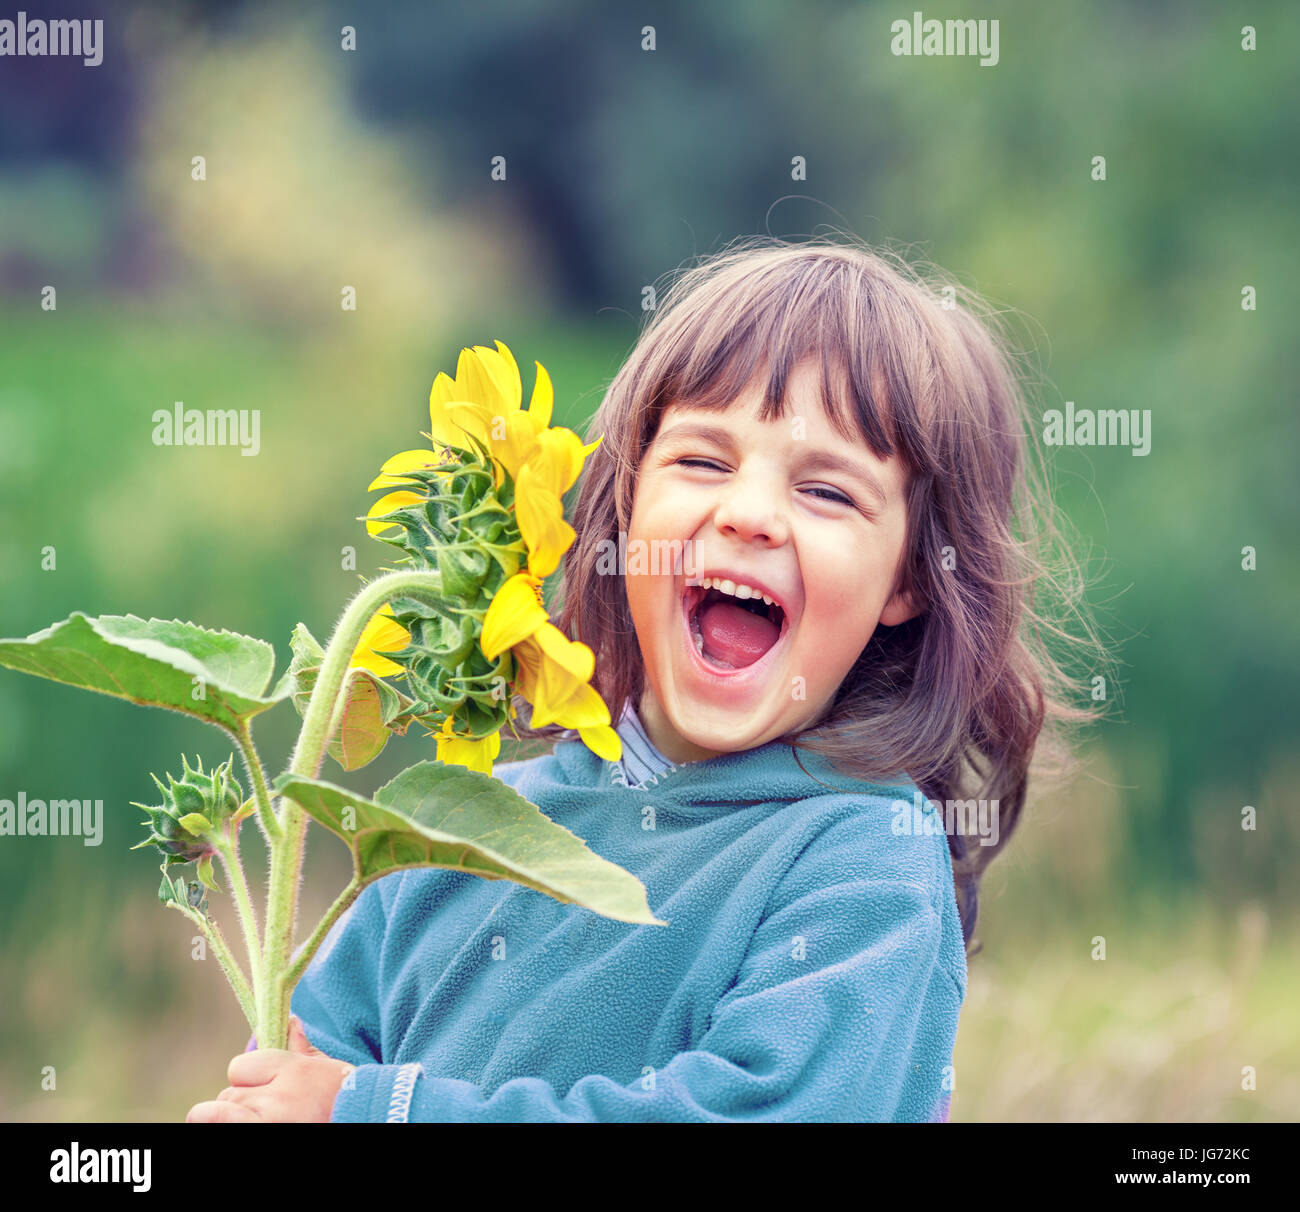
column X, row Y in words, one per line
column 484, row 401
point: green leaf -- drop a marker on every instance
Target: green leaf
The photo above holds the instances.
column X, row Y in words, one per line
column 371, row 707
column 195, row 823
column 306, row 649
column 153, row 663
column 437, row 815
column 204, row 871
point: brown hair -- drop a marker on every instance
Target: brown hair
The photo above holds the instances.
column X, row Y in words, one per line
column 960, row 696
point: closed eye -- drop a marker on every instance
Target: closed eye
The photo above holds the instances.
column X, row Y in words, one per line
column 826, row 494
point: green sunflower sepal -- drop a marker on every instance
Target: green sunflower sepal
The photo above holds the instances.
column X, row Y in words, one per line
column 195, row 808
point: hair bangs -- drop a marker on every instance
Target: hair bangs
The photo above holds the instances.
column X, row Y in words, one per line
column 734, row 332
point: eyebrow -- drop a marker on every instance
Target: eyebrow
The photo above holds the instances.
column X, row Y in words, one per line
column 812, row 458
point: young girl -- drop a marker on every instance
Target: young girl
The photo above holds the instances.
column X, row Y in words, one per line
column 846, row 649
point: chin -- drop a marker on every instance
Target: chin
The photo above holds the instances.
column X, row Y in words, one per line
column 706, row 727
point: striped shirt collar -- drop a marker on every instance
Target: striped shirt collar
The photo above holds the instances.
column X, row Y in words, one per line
column 641, row 763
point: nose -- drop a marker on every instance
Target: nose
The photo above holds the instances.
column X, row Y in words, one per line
column 750, row 509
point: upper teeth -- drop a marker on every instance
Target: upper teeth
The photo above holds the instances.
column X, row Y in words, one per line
column 736, row 591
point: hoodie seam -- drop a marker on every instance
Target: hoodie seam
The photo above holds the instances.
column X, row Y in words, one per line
column 618, row 777
column 399, row 1104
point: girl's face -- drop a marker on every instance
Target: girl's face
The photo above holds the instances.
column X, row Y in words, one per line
column 788, row 506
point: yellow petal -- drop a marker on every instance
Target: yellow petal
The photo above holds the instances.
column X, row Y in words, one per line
column 389, row 504
column 442, row 392
column 584, row 709
column 443, row 395
column 560, row 698
column 500, row 364
column 515, row 433
column 381, row 634
column 376, row 665
column 603, row 742
column 528, row 661
column 484, row 377
column 517, row 441
column 557, row 695
column 573, row 656
column 484, row 400
column 540, row 514
column 558, row 458
column 543, row 399
column 408, row 460
column 473, row 754
column 466, row 417
column 565, row 454
column 515, row 612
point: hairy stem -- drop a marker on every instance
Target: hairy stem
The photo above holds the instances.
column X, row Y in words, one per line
column 310, row 947
column 243, row 902
column 313, row 739
column 243, row 734
column 229, row 965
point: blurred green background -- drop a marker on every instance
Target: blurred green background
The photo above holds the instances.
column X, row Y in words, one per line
column 371, row 168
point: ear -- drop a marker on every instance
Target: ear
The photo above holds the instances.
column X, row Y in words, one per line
column 901, row 607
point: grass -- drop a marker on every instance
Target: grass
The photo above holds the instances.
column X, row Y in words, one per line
column 1161, row 1030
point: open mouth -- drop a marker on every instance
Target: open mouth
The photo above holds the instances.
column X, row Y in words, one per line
column 730, row 635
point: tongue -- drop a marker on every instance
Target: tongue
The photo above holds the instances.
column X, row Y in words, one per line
column 735, row 636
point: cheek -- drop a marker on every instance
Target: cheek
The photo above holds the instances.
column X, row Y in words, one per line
column 843, row 597
column 658, row 510
column 647, row 596
column 842, row 607
column 642, row 605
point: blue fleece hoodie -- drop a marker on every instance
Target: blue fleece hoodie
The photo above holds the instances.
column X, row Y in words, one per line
column 813, row 967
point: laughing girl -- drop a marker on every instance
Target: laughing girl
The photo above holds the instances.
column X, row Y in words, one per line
column 846, row 650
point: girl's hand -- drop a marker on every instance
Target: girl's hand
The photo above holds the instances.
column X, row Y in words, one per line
column 277, row 1086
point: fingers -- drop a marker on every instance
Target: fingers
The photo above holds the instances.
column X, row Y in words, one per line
column 222, row 1112
column 298, row 1041
column 256, row 1068
column 273, row 1086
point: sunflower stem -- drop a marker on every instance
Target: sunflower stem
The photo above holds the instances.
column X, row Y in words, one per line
column 229, row 852
column 275, row 993
column 229, row 965
column 309, row 948
column 243, row 735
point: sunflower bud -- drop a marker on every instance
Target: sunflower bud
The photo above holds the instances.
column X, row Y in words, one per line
column 194, row 807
